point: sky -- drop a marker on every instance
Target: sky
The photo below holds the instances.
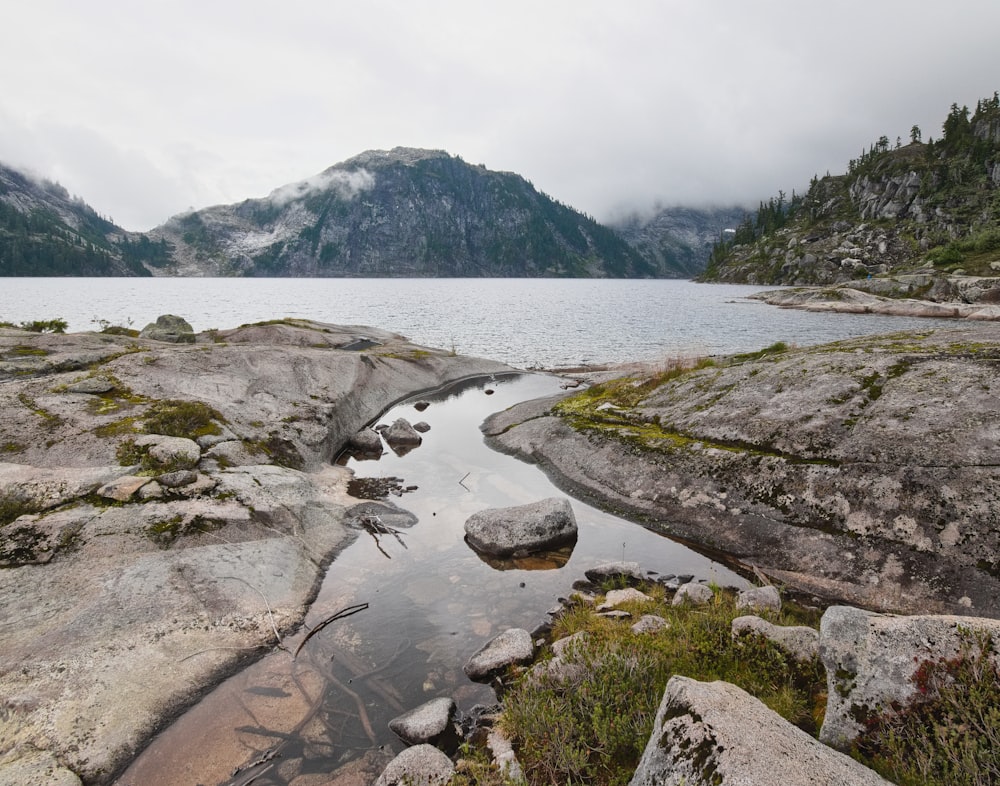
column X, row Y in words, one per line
column 149, row 109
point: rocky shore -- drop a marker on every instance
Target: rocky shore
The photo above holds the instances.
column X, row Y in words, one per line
column 862, row 471
column 168, row 507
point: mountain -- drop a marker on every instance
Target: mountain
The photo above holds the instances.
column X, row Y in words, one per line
column 46, row 232
column 399, row 213
column 932, row 208
column 678, row 238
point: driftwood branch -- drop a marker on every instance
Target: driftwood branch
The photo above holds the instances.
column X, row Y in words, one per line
column 374, row 526
column 345, row 612
column 460, row 483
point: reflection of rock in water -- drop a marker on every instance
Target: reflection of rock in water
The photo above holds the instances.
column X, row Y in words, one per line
column 543, row 560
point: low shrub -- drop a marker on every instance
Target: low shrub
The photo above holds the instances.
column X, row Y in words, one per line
column 178, row 418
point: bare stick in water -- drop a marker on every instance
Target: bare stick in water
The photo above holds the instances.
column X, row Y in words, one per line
column 345, row 612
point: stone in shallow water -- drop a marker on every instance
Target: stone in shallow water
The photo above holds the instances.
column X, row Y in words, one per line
column 522, row 529
column 423, row 764
column 430, row 723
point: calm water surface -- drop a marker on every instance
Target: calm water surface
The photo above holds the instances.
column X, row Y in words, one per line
column 528, row 323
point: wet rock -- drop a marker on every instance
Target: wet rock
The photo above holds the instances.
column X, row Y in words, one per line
column 431, row 722
column 759, row 599
column 420, row 406
column 169, row 328
column 650, row 623
column 401, row 434
column 871, row 660
column 629, row 572
column 716, row 733
column 522, row 529
column 800, row 642
column 693, row 593
column 421, row 764
column 513, row 646
column 366, row 441
column 422, row 427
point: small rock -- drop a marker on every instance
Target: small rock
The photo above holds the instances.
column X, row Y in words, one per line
column 366, row 441
column 564, row 647
column 800, row 642
column 650, row 623
column 510, row 647
column 616, row 598
column 616, row 614
column 504, row 758
column 430, row 723
column 759, row 599
column 92, row 385
column 174, row 480
column 170, row 328
column 423, row 427
column 420, row 406
column 122, row 489
column 693, row 593
column 423, row 764
column 177, row 452
column 151, row 490
column 630, row 572
column 401, row 434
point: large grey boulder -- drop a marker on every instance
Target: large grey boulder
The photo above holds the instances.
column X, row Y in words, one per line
column 522, row 529
column 401, row 435
column 715, row 734
column 800, row 642
column 511, row 647
column 871, row 660
column 171, row 328
column 421, row 764
column 694, row 593
column 764, row 598
column 429, row 723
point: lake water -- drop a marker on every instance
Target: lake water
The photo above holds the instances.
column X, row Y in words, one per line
column 528, row 323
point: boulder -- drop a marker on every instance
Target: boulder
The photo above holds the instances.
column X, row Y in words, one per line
column 423, row 764
column 693, row 593
column 431, row 722
column 759, row 599
column 121, row 489
column 174, row 480
column 169, row 328
column 871, row 661
column 511, row 647
column 172, row 452
column 423, row 427
column 367, row 442
column 522, row 529
column 715, row 733
column 402, row 434
column 800, row 642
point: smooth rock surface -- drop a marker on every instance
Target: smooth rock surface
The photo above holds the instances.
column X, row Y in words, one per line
column 871, row 659
column 863, row 471
column 715, row 734
column 522, row 529
column 693, row 593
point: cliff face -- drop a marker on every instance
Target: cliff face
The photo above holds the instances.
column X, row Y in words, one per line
column 402, row 213
column 931, row 207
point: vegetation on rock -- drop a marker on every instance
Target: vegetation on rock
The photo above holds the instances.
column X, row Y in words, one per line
column 931, row 205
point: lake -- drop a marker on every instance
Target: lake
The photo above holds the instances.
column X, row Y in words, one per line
column 527, row 323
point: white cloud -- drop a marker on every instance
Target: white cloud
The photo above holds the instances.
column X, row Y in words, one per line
column 347, row 185
column 147, row 109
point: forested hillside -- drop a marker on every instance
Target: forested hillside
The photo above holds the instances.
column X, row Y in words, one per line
column 929, row 205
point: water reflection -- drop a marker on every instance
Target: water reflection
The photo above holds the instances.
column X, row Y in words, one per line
column 431, row 602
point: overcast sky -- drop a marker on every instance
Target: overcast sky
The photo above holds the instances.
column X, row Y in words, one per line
column 149, row 108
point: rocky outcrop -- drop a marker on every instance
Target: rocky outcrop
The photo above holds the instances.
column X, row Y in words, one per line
column 873, row 662
column 717, row 734
column 146, row 566
column 169, row 328
column 522, row 529
column 800, row 642
column 972, row 298
column 862, row 471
